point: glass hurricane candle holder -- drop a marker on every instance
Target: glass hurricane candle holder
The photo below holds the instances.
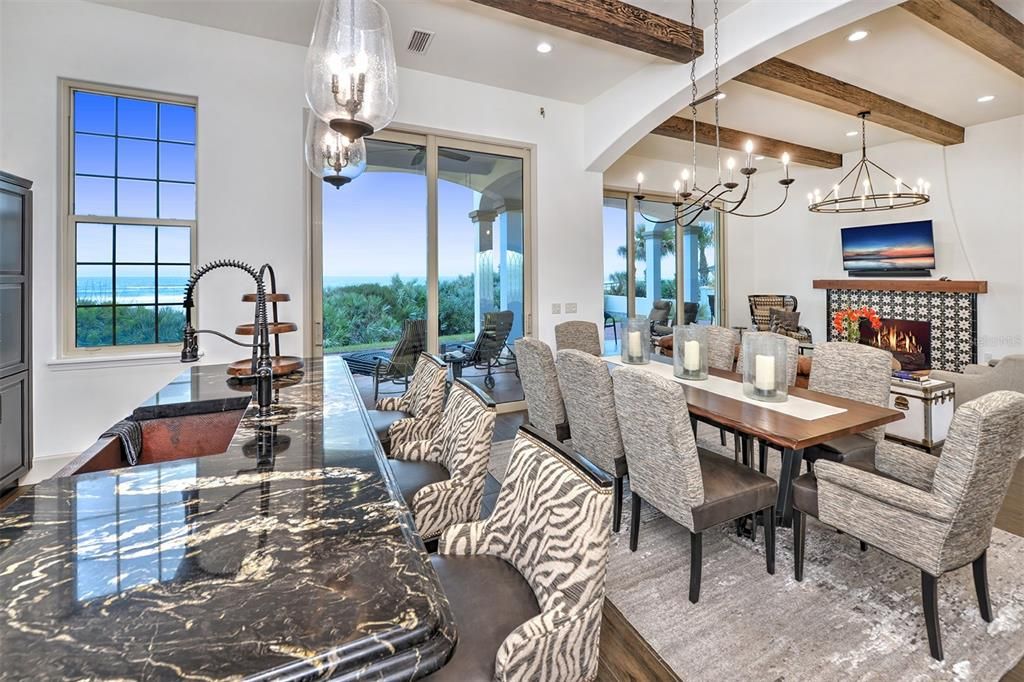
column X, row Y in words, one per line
column 764, row 368
column 636, row 346
column 690, row 352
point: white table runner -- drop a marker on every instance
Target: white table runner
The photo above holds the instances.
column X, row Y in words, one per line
column 801, row 408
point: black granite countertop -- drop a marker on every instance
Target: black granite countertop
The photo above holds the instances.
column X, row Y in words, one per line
column 290, row 556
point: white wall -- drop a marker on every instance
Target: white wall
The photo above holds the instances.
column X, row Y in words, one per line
column 984, row 192
column 784, row 252
column 250, row 197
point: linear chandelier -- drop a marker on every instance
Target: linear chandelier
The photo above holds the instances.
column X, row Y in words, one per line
column 691, row 200
column 864, row 195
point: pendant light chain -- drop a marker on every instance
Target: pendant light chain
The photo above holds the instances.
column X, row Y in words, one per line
column 718, row 133
column 693, row 83
column 691, row 201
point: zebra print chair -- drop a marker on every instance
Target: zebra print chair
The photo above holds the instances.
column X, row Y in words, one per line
column 590, row 403
column 415, row 414
column 934, row 513
column 578, row 335
column 544, row 401
column 695, row 488
column 527, row 584
column 442, row 478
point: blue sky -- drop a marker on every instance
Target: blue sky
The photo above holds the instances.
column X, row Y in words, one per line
column 377, row 226
column 134, row 158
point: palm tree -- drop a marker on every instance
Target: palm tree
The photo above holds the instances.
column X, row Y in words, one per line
column 668, row 243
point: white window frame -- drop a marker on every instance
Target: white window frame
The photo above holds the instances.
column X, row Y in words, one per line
column 432, row 139
column 721, row 261
column 69, row 220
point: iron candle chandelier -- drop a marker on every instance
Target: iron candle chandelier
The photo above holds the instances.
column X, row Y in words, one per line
column 865, row 196
column 691, row 200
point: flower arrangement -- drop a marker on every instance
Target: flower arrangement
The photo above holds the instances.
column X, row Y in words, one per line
column 847, row 322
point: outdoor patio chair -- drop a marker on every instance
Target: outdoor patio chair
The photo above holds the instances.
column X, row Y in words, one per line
column 396, row 365
column 488, row 351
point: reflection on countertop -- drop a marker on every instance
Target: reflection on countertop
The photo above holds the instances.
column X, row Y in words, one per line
column 290, row 555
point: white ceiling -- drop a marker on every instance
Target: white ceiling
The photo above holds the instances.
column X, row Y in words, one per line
column 471, row 41
column 903, row 58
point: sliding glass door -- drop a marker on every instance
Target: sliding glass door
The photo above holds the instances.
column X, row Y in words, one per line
column 663, row 262
column 375, row 251
column 427, row 250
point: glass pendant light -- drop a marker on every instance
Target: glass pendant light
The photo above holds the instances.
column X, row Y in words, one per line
column 350, row 72
column 331, row 156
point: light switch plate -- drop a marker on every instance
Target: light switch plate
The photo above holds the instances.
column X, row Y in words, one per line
column 570, row 307
column 556, row 308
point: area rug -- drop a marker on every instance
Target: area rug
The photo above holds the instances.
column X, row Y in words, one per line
column 855, row 616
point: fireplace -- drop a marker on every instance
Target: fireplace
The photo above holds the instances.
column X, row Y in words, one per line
column 909, row 342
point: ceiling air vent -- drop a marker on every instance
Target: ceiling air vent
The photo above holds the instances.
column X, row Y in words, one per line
column 419, row 41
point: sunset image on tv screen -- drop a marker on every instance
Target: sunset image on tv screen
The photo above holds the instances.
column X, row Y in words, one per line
column 900, row 246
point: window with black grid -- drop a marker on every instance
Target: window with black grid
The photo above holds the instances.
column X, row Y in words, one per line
column 133, row 209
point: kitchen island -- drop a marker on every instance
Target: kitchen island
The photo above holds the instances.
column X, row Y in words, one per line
column 289, row 556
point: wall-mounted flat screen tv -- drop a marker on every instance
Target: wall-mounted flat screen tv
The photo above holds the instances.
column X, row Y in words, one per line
column 886, row 248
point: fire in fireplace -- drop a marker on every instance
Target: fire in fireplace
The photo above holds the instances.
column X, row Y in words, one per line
column 908, row 341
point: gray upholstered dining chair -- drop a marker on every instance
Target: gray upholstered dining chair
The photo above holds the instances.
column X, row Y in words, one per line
column 442, row 477
column 415, row 414
column 579, row 335
column 695, row 488
column 722, row 343
column 856, row 372
column 590, row 403
column 934, row 513
column 544, row 402
column 527, row 585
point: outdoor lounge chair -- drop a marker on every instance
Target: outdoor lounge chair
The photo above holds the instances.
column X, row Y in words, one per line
column 491, row 343
column 396, row 365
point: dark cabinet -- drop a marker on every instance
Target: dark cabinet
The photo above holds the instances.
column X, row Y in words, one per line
column 15, row 329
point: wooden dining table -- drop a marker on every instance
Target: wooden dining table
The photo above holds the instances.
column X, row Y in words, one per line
column 789, row 433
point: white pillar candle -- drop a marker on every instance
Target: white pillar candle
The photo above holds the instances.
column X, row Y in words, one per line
column 691, row 356
column 764, row 372
column 636, row 349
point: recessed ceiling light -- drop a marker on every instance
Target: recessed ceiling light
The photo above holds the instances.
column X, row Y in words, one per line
column 852, row 133
column 986, row 98
column 758, row 158
column 857, row 35
column 720, row 95
column 543, row 48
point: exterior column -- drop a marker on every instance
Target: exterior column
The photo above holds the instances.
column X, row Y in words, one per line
column 652, row 250
column 510, row 263
column 483, row 286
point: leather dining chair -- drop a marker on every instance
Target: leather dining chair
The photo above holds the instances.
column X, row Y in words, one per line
column 935, row 513
column 415, row 414
column 544, row 403
column 442, row 477
column 695, row 488
column 579, row 335
column 590, row 403
column 527, row 584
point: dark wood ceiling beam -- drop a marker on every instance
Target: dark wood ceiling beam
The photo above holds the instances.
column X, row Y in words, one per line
column 682, row 129
column 981, row 24
column 804, row 84
column 612, row 21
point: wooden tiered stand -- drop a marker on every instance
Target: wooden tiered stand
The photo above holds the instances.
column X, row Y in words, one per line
column 281, row 365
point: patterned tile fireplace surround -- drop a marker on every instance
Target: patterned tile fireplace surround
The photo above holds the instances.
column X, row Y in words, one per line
column 951, row 308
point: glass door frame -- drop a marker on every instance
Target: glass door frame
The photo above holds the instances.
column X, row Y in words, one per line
column 721, row 314
column 314, row 187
